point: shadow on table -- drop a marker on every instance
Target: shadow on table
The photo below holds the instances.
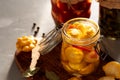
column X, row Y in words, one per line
column 14, row 73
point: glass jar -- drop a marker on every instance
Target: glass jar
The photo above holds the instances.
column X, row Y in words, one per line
column 63, row 10
column 78, row 55
column 109, row 18
column 109, row 22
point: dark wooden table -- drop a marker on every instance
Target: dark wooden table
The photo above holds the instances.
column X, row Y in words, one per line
column 51, row 62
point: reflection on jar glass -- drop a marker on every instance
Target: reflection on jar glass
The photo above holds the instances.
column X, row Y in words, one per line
column 63, row 10
column 78, row 55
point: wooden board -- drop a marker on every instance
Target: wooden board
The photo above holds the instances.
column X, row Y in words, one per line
column 51, row 62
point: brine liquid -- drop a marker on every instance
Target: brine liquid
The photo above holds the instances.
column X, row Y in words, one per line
column 62, row 11
column 79, row 60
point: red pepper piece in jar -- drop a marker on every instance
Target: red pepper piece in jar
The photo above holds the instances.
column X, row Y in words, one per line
column 82, row 48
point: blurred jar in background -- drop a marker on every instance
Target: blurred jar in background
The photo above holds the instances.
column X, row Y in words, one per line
column 63, row 10
column 109, row 22
column 109, row 18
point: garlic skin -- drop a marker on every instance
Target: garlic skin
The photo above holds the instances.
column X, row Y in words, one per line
column 35, row 55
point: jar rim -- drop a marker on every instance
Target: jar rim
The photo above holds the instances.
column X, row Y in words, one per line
column 116, row 1
column 92, row 39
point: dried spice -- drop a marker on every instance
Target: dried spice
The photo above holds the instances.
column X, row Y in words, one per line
column 43, row 35
column 33, row 27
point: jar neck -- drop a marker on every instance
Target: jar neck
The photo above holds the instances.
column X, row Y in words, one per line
column 111, row 4
column 81, row 42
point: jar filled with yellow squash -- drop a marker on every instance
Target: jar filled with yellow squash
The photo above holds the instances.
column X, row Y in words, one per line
column 78, row 55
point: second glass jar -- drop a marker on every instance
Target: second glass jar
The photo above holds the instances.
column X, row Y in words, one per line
column 63, row 10
column 78, row 55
